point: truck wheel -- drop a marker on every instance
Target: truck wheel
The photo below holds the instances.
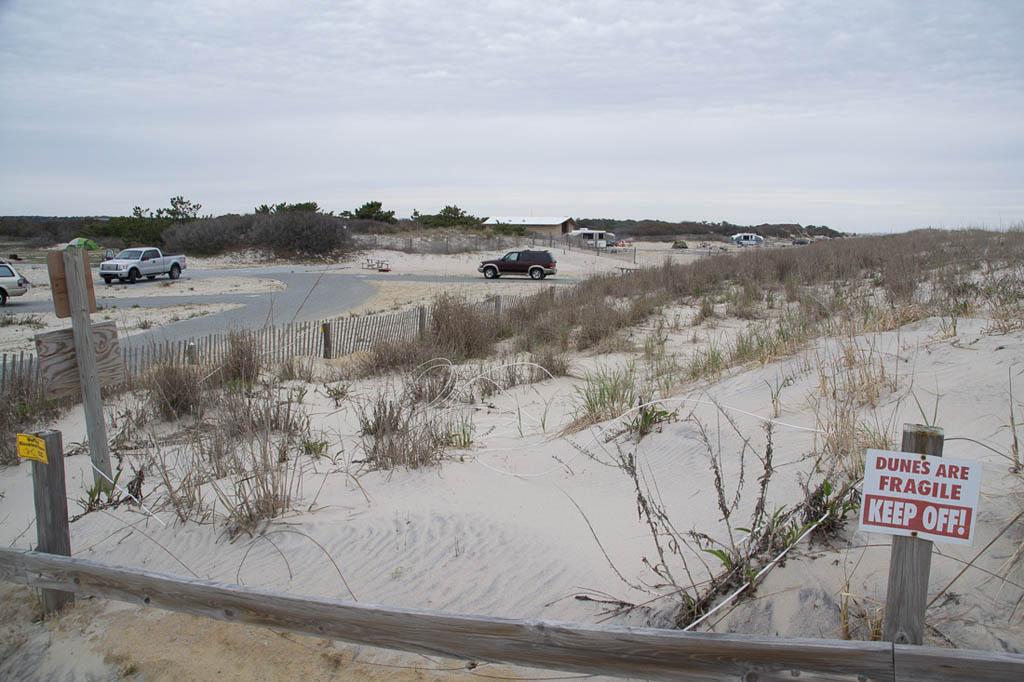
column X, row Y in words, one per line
column 3, row 297
column 175, row 272
column 107, row 280
column 537, row 273
column 490, row 272
column 133, row 275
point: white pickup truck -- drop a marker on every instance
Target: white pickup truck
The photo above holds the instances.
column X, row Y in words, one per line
column 141, row 261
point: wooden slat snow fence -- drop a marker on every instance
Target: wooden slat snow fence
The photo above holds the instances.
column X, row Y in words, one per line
column 276, row 344
column 589, row 649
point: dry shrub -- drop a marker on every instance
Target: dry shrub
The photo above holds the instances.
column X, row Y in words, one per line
column 395, row 435
column 23, row 408
column 271, row 480
column 744, row 302
column 391, row 356
column 431, row 382
column 597, row 322
column 176, row 391
column 460, row 330
column 243, row 414
column 297, row 369
column 706, row 311
column 243, row 362
column 247, row 454
column 553, row 362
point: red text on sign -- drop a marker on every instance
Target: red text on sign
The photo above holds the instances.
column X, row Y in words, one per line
column 914, row 486
column 922, row 516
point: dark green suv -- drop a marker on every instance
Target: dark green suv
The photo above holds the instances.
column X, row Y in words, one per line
column 535, row 264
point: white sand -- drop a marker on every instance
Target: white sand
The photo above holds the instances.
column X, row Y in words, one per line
column 503, row 529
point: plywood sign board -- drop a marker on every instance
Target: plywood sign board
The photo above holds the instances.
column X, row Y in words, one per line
column 932, row 498
column 58, row 364
column 59, row 282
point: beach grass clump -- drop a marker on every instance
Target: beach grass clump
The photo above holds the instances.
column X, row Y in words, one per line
column 241, row 456
column 395, row 435
column 551, row 363
column 707, row 362
column 176, row 391
column 461, row 330
column 243, row 361
column 433, row 382
column 270, row 482
column 297, row 369
column 605, row 394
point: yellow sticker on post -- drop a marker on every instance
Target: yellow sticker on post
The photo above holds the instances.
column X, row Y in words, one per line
column 32, row 447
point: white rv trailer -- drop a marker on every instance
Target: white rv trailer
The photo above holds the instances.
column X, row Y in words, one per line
column 597, row 239
column 747, row 239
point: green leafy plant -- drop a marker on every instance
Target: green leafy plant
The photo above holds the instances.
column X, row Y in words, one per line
column 102, row 494
column 314, row 448
column 338, row 392
column 647, row 418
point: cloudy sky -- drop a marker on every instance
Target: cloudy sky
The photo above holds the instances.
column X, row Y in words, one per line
column 865, row 115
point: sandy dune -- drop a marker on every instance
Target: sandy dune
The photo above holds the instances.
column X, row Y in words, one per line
column 528, row 517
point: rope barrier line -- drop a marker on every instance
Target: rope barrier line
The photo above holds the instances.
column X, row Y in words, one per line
column 757, row 577
column 615, row 424
column 125, row 492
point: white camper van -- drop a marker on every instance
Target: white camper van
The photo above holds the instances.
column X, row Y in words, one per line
column 595, row 239
column 747, row 239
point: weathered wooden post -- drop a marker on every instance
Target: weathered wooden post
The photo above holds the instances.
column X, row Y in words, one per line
column 423, row 320
column 46, row 450
column 78, row 280
column 325, row 329
column 497, row 305
column 910, row 560
column 192, row 353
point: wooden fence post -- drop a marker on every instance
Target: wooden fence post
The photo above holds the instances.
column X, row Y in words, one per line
column 910, row 560
column 423, row 320
column 328, row 348
column 497, row 304
column 50, row 492
column 192, row 353
column 85, row 353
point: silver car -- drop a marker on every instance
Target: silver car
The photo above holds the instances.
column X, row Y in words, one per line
column 11, row 283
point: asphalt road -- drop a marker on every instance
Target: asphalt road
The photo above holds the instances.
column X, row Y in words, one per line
column 310, row 294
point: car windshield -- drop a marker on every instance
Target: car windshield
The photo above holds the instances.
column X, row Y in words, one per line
column 130, row 254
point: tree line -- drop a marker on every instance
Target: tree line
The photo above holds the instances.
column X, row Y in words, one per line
column 305, row 228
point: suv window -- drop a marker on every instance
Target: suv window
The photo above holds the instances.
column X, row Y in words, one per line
column 5, row 271
column 511, row 257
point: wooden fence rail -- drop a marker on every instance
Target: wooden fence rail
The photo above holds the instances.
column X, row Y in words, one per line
column 600, row 650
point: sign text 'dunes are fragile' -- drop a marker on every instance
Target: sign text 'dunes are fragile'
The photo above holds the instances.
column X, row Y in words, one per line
column 932, row 498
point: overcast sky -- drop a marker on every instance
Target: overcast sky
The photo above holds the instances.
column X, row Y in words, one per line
column 865, row 115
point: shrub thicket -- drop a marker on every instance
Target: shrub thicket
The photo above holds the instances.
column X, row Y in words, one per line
column 299, row 233
column 209, row 236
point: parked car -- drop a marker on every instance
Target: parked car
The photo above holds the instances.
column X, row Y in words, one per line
column 11, row 283
column 680, row 244
column 800, row 241
column 141, row 261
column 536, row 264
